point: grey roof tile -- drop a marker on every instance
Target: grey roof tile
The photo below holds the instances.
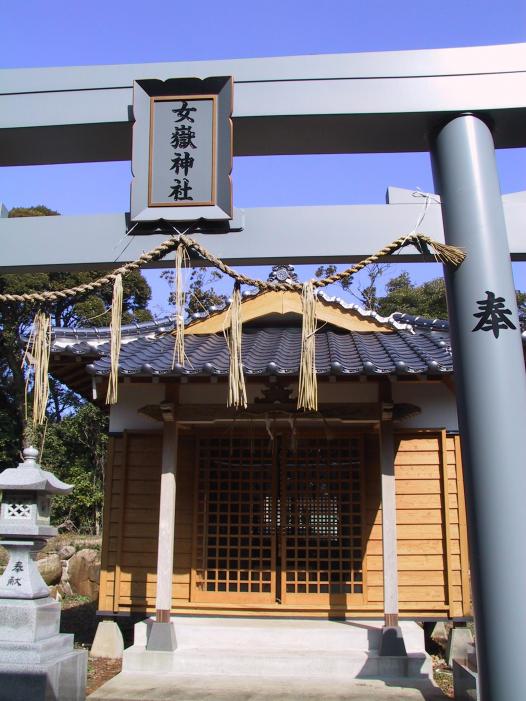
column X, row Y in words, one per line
column 277, row 350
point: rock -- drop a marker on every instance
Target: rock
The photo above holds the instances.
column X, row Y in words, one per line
column 83, row 573
column 66, row 551
column 55, row 592
column 50, row 568
column 440, row 632
column 108, row 641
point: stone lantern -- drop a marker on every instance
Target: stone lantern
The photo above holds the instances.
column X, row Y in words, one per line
column 36, row 661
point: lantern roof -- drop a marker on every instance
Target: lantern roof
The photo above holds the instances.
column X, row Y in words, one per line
column 31, row 477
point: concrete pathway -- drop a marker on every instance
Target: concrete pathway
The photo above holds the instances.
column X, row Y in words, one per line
column 133, row 686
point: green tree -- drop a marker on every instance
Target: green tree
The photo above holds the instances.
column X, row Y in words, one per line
column 15, row 319
column 365, row 295
column 201, row 294
column 427, row 299
column 75, row 450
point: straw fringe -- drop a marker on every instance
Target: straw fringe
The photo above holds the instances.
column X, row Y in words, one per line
column 182, row 260
column 449, row 255
column 37, row 355
column 115, row 341
column 237, row 393
column 308, row 385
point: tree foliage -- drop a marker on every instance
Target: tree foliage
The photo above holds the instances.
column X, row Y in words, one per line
column 201, row 294
column 366, row 295
column 68, row 415
column 75, row 450
column 427, row 299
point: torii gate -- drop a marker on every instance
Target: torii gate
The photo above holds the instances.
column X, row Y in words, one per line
column 457, row 103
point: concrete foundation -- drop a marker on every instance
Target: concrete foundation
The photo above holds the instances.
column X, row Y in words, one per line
column 130, row 686
column 270, row 648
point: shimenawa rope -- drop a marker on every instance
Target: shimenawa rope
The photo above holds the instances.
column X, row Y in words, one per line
column 307, row 397
column 237, row 393
column 115, row 341
column 444, row 253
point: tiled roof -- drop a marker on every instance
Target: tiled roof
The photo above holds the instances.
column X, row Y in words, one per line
column 420, row 322
column 276, row 350
column 93, row 337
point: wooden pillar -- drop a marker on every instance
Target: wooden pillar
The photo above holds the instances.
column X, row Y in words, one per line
column 392, row 642
column 165, row 548
column 162, row 634
column 390, row 565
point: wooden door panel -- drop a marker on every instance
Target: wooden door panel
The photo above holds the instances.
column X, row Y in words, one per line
column 235, row 550
column 276, row 524
column 321, row 522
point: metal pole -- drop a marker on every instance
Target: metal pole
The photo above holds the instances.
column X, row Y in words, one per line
column 491, row 396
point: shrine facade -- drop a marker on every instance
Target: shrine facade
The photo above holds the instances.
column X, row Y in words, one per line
column 356, row 510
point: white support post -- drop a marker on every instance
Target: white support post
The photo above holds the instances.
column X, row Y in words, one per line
column 392, row 641
column 162, row 634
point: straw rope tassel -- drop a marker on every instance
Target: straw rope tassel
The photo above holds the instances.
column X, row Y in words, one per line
column 445, row 253
column 37, row 354
column 182, row 259
column 237, row 392
column 308, row 386
column 115, row 341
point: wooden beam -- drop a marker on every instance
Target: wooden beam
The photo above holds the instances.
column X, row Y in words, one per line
column 364, row 413
column 281, row 303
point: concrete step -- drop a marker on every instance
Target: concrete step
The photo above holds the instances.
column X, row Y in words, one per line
column 229, row 633
column 129, row 686
column 294, row 664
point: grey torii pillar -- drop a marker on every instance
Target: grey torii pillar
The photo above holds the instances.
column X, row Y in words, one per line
column 491, row 395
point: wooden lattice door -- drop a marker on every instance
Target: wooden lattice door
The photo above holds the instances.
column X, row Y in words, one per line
column 321, row 522
column 235, row 543
column 279, row 523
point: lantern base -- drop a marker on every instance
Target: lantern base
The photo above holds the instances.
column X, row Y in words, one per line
column 36, row 661
column 21, row 578
column 60, row 679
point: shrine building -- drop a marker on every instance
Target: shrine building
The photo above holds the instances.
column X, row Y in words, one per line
column 353, row 511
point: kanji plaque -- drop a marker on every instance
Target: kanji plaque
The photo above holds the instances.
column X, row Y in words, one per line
column 182, row 150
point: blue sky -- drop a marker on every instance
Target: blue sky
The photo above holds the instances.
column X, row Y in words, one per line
column 58, row 33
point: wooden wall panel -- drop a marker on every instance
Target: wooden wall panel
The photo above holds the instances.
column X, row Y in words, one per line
column 131, row 518
column 420, row 515
column 432, row 542
column 114, row 461
column 460, row 535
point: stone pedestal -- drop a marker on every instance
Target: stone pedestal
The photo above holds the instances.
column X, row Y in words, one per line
column 457, row 644
column 108, row 641
column 392, row 642
column 36, row 661
column 161, row 637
